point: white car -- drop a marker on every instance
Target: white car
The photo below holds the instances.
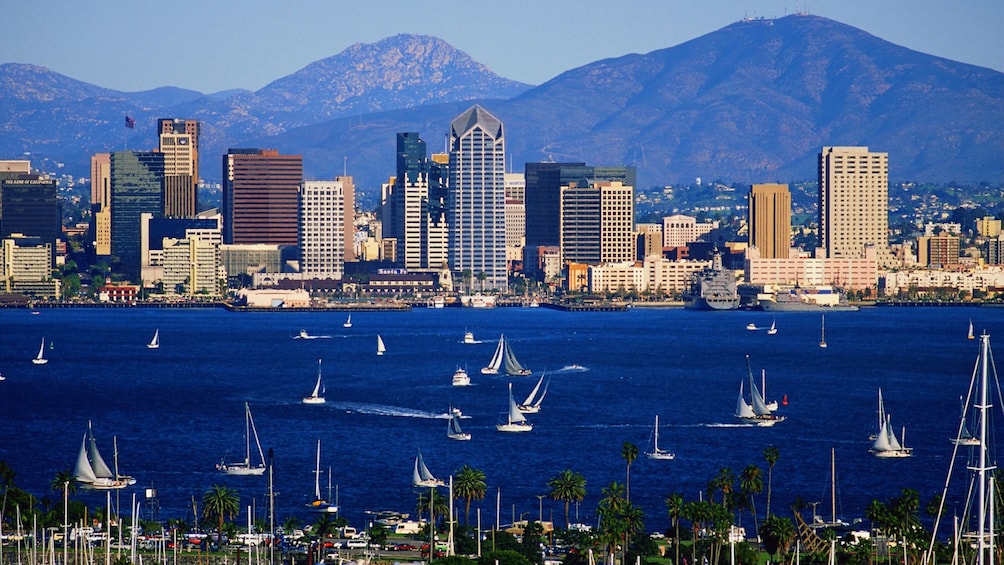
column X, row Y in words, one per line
column 356, row 544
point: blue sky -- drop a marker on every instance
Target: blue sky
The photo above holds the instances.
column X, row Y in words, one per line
column 212, row 45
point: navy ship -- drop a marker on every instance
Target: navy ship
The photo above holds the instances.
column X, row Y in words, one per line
column 713, row 288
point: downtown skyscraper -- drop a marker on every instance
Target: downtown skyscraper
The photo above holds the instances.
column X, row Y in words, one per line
column 477, row 198
column 261, row 197
column 179, row 142
column 854, row 203
column 414, row 206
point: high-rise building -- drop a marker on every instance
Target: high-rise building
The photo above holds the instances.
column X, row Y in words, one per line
column 322, row 229
column 854, row 202
column 414, row 207
column 544, row 182
column 938, row 251
column 29, row 206
column 137, row 184
column 101, row 203
column 260, row 197
column 597, row 223
column 770, row 220
column 515, row 216
column 680, row 230
column 179, row 142
column 349, row 224
column 477, row 188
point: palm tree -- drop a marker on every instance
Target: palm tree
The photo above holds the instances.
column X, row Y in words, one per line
column 674, row 503
column 432, row 503
column 219, row 502
column 777, row 533
column 723, row 482
column 469, row 484
column 629, row 452
column 751, row 483
column 771, row 454
column 567, row 486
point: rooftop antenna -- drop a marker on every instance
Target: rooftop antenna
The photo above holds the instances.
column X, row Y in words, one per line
column 345, row 166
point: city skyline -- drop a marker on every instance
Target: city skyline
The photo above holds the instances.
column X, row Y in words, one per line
column 248, row 54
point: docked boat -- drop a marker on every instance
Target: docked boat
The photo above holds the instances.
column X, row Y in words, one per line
column 317, row 395
column 657, row 453
column 40, row 357
column 92, row 472
column 155, row 342
column 461, row 378
column 886, row 444
column 532, row 403
column 319, row 504
column 245, row 467
column 713, row 288
column 453, row 430
column 798, row 299
column 515, row 421
column 505, row 359
column 422, row 476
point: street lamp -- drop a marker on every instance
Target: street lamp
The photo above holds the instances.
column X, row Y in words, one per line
column 540, row 504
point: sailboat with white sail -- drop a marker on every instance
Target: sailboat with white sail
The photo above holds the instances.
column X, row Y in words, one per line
column 505, row 359
column 92, row 472
column 533, row 400
column 756, row 411
column 245, row 468
column 515, row 421
column 40, row 357
column 453, row 430
column 155, row 342
column 773, row 328
column 317, row 395
column 319, row 504
column 657, row 453
column 965, row 437
column 886, row 444
column 381, row 348
column 422, row 476
column 348, row 322
column 970, row 335
column 822, row 333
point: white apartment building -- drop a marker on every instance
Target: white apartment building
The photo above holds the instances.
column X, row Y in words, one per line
column 854, row 202
column 678, row 230
column 192, row 266
column 654, row 274
column 321, row 229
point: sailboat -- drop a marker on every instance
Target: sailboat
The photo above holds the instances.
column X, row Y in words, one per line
column 422, row 476
column 971, row 336
column 40, row 358
column 515, row 421
column 886, row 444
column 756, row 411
column 348, row 322
column 453, row 430
column 319, row 504
column 92, row 471
column 822, row 333
column 657, row 453
column 772, row 405
column 504, row 358
column 381, row 348
column 817, row 521
column 773, row 328
column 245, row 467
column 532, row 403
column 317, row 396
column 155, row 342
column 965, row 437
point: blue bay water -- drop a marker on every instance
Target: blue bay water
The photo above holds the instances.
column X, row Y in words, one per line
column 178, row 410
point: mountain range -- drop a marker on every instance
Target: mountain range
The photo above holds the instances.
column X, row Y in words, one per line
column 752, row 102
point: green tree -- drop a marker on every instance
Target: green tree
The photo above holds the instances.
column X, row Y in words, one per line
column 503, row 557
column 629, row 452
column 220, row 502
column 469, row 484
column 771, row 454
column 674, row 504
column 750, row 484
column 567, row 486
column 777, row 534
column 433, row 504
column 723, row 482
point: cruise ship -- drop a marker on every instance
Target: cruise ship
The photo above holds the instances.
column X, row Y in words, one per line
column 713, row 288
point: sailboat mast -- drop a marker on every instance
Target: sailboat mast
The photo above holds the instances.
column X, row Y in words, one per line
column 247, row 435
column 833, row 485
column 984, row 353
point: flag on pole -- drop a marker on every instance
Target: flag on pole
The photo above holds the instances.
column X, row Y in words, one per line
column 130, row 123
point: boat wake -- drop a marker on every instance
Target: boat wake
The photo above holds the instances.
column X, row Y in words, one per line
column 722, row 425
column 572, row 369
column 312, row 337
column 475, row 342
column 397, row 411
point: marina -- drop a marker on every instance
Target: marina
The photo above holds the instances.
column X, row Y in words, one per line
column 173, row 411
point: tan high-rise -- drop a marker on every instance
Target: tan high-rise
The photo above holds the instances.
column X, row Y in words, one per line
column 770, row 220
column 179, row 142
column 854, row 202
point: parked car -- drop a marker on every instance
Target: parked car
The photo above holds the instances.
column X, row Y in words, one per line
column 356, row 544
